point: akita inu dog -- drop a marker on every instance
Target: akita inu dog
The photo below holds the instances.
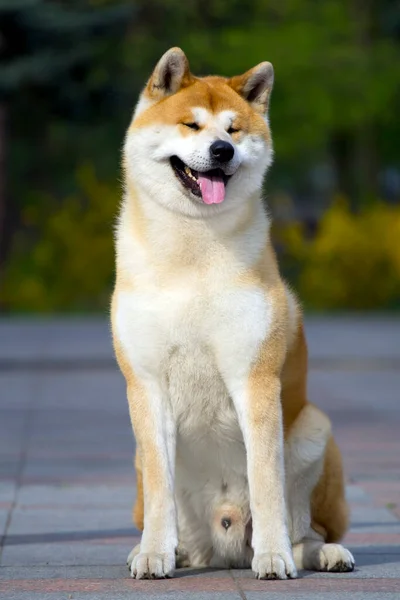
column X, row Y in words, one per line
column 235, row 468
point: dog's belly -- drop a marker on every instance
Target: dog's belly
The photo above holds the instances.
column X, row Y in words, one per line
column 211, row 456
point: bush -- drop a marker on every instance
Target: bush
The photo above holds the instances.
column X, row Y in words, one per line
column 67, row 264
column 353, row 262
column 70, row 264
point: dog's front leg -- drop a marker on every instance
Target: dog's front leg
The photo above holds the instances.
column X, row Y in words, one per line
column 258, row 404
column 154, row 430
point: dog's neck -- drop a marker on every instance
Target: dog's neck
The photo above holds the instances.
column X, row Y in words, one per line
column 166, row 237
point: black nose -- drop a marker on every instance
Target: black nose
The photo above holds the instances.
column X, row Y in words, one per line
column 222, row 151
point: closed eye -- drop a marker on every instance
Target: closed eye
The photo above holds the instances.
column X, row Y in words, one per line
column 192, row 126
column 232, row 130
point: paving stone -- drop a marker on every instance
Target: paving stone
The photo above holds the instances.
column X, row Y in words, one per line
column 4, row 513
column 356, row 494
column 50, row 339
column 373, row 527
column 77, row 390
column 78, row 470
column 32, row 523
column 377, row 566
column 360, row 336
column 331, row 595
column 66, row 438
column 7, row 491
column 371, row 515
column 90, row 496
column 323, row 583
column 370, row 549
column 31, row 572
column 359, row 389
column 9, row 467
column 158, row 588
column 108, row 553
column 16, row 393
column 207, row 595
column 378, row 540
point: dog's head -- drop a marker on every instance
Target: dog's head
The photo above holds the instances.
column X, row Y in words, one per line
column 200, row 145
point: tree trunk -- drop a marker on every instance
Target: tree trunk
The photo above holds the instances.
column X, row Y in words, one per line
column 342, row 149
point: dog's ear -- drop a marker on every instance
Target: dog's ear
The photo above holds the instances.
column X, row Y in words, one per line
column 255, row 86
column 170, row 75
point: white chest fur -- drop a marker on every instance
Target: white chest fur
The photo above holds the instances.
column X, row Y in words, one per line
column 196, row 324
column 196, row 338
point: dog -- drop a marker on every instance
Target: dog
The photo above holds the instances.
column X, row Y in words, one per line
column 235, row 468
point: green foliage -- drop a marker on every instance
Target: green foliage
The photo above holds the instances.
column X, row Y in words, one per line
column 353, row 262
column 70, row 265
column 335, row 66
column 44, row 39
column 71, row 74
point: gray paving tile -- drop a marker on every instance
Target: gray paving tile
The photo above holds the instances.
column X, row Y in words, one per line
column 118, row 572
column 109, row 496
column 374, row 550
column 377, row 566
column 104, row 434
column 355, row 494
column 68, row 553
column 27, row 521
column 31, row 572
column 371, row 514
column 12, row 427
column 72, row 521
column 9, row 467
column 376, row 527
column 331, row 595
column 359, row 389
column 364, row 336
column 368, row 566
column 80, row 390
column 3, row 520
column 65, row 338
column 11, row 595
column 79, row 469
column 142, row 595
column 16, row 393
column 7, row 491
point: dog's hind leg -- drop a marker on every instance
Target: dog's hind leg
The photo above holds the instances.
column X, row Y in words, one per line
column 195, row 545
column 313, row 554
column 329, row 509
column 304, row 460
column 318, row 549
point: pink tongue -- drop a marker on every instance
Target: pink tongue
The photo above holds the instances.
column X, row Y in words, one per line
column 212, row 188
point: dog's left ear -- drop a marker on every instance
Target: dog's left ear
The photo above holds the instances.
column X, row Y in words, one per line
column 170, row 75
column 255, row 86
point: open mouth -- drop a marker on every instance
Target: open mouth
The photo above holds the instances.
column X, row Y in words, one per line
column 210, row 186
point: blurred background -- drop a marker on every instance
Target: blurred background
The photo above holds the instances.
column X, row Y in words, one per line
column 70, row 73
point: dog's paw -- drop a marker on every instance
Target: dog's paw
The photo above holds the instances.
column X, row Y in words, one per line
column 273, row 565
column 182, row 558
column 152, row 565
column 134, row 552
column 335, row 559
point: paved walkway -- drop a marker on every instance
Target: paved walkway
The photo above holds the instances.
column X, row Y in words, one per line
column 66, row 476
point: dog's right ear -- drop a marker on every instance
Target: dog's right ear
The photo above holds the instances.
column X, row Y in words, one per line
column 170, row 75
column 255, row 86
